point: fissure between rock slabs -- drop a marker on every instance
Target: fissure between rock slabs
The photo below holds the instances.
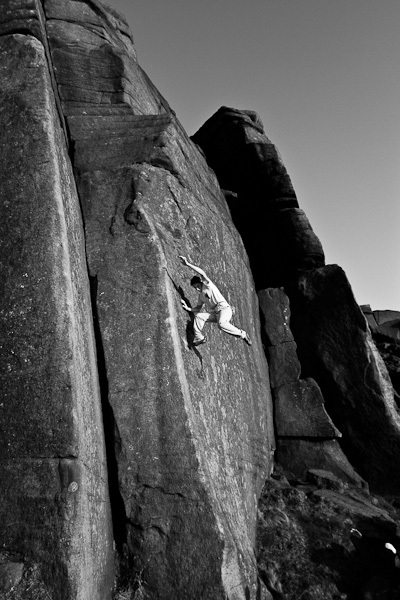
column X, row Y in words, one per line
column 111, row 435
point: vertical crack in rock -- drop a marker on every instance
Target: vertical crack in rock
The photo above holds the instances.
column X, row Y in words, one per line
column 111, row 434
column 110, row 430
column 54, row 85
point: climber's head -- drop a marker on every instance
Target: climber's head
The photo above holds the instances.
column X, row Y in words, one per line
column 196, row 283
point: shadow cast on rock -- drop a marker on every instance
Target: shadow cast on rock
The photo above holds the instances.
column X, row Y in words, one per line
column 189, row 328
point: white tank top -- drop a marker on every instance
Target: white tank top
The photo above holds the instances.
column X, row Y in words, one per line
column 212, row 297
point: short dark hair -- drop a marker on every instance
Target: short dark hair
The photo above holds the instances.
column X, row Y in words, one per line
column 196, row 279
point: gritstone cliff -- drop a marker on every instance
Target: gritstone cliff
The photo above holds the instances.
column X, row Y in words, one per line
column 132, row 462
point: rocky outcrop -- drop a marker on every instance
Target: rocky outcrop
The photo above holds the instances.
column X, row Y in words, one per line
column 385, row 330
column 55, row 511
column 300, row 411
column 132, row 460
column 277, row 234
column 383, row 322
column 188, row 432
column 335, row 347
column 306, row 436
column 178, row 412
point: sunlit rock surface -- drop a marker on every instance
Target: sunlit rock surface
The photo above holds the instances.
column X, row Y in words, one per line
column 55, row 511
column 132, row 461
column 189, row 432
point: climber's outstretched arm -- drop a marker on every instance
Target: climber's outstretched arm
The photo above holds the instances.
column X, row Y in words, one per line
column 200, row 272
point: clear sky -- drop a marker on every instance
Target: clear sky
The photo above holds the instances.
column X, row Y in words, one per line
column 324, row 76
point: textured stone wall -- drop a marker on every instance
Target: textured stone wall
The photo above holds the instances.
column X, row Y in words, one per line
column 334, row 344
column 306, row 435
column 188, row 432
column 336, row 347
column 55, row 513
column 276, row 233
column 132, row 461
column 192, row 429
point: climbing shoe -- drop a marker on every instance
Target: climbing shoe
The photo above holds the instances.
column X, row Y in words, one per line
column 246, row 339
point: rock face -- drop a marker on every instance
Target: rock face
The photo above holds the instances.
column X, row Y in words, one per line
column 55, row 511
column 132, row 461
column 55, row 508
column 335, row 347
column 383, row 322
column 178, row 411
column 278, row 237
column 188, row 432
column 300, row 412
column 385, row 329
column 306, row 435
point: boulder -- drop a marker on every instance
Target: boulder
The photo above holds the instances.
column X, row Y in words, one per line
column 297, row 456
column 325, row 480
column 391, row 329
column 383, row 323
column 386, row 316
column 335, row 347
column 55, row 509
column 367, row 512
column 243, row 157
column 300, row 412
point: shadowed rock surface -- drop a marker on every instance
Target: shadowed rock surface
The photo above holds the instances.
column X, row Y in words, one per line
column 306, row 436
column 385, row 329
column 334, row 344
column 300, row 411
column 276, row 232
column 336, row 348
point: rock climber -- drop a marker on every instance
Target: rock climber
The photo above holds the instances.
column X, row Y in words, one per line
column 217, row 309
